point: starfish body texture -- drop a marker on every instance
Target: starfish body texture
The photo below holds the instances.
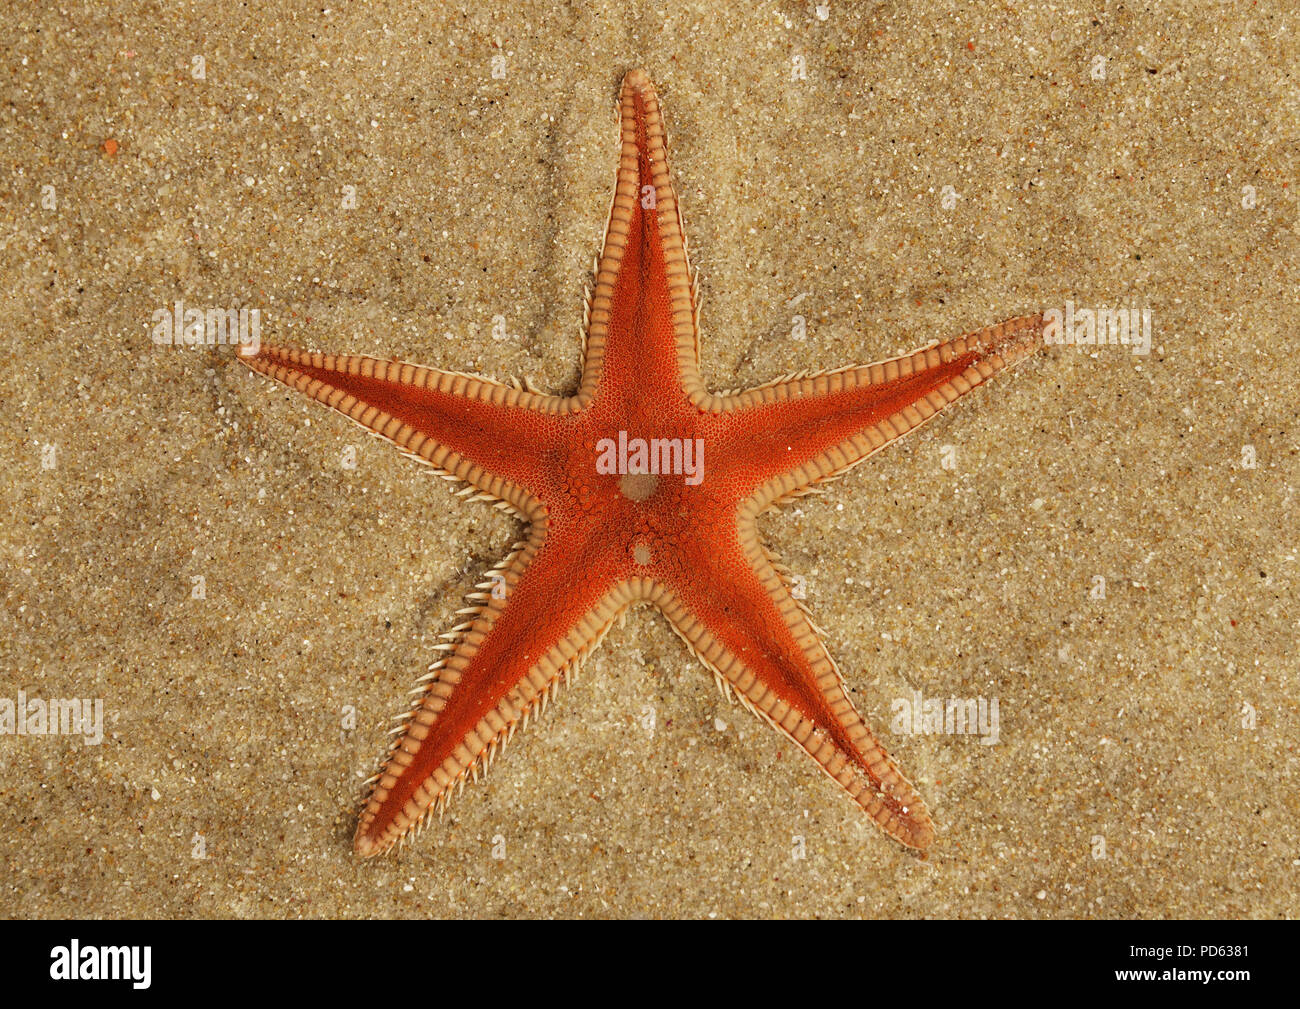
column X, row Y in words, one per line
column 642, row 486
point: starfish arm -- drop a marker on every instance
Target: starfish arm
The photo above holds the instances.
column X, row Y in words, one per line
column 504, row 661
column 743, row 623
column 641, row 318
column 477, row 430
column 790, row 434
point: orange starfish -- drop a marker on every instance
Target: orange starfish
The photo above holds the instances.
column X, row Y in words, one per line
column 642, row 486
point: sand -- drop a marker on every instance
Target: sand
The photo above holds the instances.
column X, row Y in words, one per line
column 1104, row 542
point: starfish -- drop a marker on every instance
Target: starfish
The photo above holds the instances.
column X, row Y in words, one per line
column 642, row 486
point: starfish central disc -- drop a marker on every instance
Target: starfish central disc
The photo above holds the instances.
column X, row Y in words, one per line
column 638, row 486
